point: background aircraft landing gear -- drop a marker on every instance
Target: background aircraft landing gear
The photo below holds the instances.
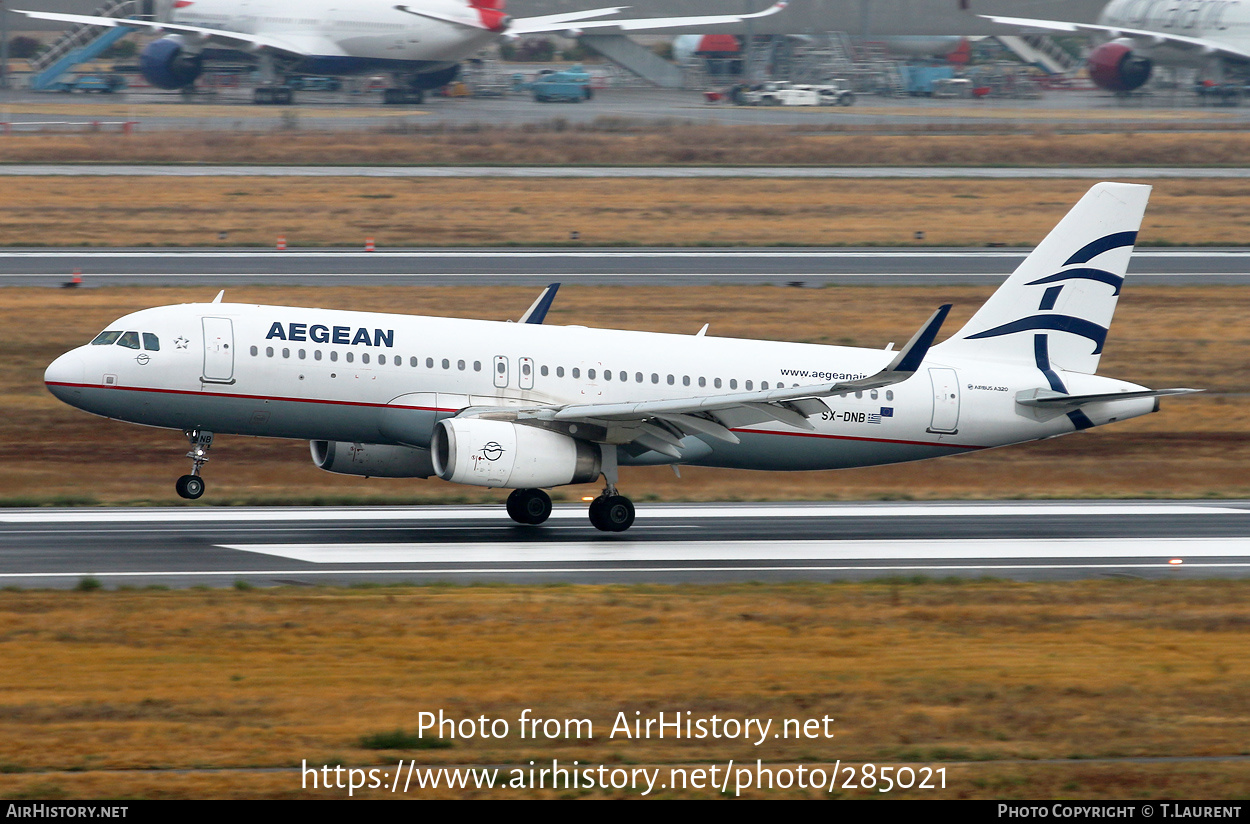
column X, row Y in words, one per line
column 399, row 97
column 192, row 486
column 273, row 96
column 529, row 506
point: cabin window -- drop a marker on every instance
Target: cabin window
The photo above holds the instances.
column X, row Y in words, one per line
column 286, row 353
column 413, row 362
column 364, row 358
column 255, row 351
column 670, row 380
column 638, row 377
column 859, row 395
column 607, row 374
column 446, row 363
column 655, row 378
column 130, row 340
column 590, row 374
column 334, row 355
column 350, row 357
column 460, row 365
column 750, row 385
column 763, row 384
column 733, row 383
column 559, row 371
column 685, row 380
column 151, row 342
column 542, row 370
column 106, row 339
column 577, row 373
column 873, row 394
column 716, row 383
column 381, row 360
column 702, row 381
column 269, row 351
column 316, row 354
column 429, row 363
column 889, row 394
column 477, row 366
column 303, row 354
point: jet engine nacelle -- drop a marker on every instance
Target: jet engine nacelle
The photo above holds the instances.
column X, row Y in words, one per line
column 371, row 460
column 503, row 454
column 167, row 63
column 1116, row 67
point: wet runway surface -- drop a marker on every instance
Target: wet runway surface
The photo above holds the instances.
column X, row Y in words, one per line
column 668, row 544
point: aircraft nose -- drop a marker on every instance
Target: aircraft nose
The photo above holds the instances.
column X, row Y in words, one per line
column 65, row 370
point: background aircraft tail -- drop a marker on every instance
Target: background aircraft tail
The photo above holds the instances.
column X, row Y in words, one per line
column 1056, row 308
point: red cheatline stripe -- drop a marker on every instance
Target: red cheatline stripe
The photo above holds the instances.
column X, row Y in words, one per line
column 442, row 409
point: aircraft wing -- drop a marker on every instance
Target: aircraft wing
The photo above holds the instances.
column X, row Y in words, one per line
column 1152, row 38
column 557, row 23
column 660, row 424
column 229, row 38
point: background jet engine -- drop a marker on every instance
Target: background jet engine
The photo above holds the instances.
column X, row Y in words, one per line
column 167, row 63
column 502, row 454
column 1116, row 67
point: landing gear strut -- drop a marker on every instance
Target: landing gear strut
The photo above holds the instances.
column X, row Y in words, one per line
column 611, row 511
column 529, row 506
column 192, row 486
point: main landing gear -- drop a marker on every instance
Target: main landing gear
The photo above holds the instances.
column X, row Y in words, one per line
column 529, row 506
column 610, row 512
column 192, row 486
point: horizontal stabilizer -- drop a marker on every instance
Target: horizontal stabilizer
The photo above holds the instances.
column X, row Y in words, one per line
column 1047, row 398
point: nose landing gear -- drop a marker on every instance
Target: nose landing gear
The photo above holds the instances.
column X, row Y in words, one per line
column 192, row 486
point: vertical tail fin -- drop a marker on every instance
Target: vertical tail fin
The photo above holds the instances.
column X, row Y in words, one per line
column 1057, row 306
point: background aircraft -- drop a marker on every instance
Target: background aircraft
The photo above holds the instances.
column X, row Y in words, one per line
column 1210, row 35
column 528, row 406
column 420, row 43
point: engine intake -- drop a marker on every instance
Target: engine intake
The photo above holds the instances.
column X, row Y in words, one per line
column 1113, row 66
column 503, row 454
column 167, row 64
column 371, row 460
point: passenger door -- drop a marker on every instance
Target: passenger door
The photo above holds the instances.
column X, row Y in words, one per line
column 218, row 350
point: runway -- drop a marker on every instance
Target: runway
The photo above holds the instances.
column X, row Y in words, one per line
column 534, row 266
column 669, row 544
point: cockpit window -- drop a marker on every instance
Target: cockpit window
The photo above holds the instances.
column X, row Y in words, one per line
column 130, row 340
column 106, row 339
column 151, row 342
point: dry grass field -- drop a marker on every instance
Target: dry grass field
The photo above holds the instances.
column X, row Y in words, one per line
column 1020, row 691
column 620, row 141
column 1196, row 447
column 106, row 211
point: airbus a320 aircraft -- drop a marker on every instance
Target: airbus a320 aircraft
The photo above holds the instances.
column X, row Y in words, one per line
column 528, row 406
column 420, row 43
column 1210, row 35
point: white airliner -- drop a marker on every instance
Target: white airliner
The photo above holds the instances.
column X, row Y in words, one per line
column 420, row 43
column 1211, row 35
column 528, row 406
